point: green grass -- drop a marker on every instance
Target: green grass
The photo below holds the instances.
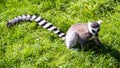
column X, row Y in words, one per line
column 25, row 46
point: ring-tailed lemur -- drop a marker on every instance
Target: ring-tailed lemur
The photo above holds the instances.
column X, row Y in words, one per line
column 77, row 34
column 83, row 33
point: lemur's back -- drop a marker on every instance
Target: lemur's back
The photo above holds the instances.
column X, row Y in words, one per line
column 80, row 28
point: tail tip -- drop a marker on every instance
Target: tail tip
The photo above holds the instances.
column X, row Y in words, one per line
column 9, row 24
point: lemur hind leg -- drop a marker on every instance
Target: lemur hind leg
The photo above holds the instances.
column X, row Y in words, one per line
column 71, row 40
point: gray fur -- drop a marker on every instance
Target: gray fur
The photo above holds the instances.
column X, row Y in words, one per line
column 80, row 34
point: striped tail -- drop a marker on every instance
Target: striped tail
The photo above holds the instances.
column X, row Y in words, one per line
column 40, row 21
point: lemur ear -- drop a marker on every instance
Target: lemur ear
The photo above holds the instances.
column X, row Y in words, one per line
column 89, row 23
column 99, row 21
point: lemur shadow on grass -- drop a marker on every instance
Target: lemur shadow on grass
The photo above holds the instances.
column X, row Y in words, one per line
column 104, row 49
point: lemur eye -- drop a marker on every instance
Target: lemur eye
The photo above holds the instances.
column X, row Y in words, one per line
column 93, row 31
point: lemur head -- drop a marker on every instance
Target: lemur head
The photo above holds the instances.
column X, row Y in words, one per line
column 94, row 27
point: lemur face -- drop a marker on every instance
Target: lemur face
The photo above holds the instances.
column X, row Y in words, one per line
column 94, row 27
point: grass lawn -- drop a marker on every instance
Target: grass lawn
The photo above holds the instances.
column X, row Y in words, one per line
column 28, row 46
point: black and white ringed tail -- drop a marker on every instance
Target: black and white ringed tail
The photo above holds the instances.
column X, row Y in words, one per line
column 40, row 21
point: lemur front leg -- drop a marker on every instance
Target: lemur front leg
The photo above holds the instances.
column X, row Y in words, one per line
column 97, row 41
column 93, row 42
